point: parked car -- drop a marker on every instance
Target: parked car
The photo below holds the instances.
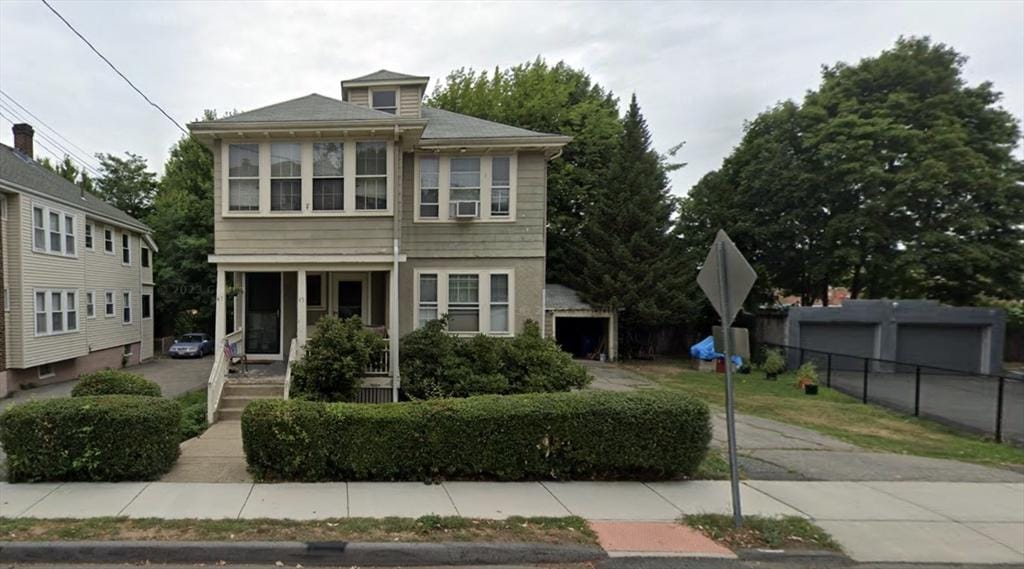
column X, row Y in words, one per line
column 194, row 345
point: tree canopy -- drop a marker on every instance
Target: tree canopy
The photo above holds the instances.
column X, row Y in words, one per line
column 67, row 169
column 894, row 178
column 126, row 183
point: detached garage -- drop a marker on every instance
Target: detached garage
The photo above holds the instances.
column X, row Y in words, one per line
column 579, row 328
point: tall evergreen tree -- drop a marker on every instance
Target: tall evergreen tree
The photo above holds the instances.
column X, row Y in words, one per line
column 126, row 183
column 70, row 172
column 627, row 259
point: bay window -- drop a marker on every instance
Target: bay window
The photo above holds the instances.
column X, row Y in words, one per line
column 371, row 176
column 56, row 311
column 328, row 176
column 463, row 303
column 243, row 177
column 427, row 298
column 285, row 176
column 430, row 188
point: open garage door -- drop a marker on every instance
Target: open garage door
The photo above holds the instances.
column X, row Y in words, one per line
column 582, row 337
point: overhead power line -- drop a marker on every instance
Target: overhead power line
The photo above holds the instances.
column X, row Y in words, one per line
column 112, row 66
column 86, row 166
column 41, row 122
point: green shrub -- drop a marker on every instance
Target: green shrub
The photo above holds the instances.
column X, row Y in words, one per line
column 114, row 382
column 193, row 413
column 565, row 436
column 774, row 363
column 437, row 364
column 102, row 438
column 336, row 357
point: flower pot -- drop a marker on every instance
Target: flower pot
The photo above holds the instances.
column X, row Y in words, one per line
column 811, row 389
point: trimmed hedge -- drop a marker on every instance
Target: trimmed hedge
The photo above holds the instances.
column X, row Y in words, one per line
column 114, row 382
column 562, row 436
column 104, row 438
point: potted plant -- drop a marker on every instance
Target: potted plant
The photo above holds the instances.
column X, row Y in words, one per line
column 807, row 378
column 773, row 365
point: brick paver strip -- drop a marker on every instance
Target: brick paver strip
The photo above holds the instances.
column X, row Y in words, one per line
column 656, row 538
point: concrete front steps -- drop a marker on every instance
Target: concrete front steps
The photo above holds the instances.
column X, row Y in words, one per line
column 239, row 393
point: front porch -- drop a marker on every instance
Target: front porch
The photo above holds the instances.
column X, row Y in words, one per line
column 266, row 313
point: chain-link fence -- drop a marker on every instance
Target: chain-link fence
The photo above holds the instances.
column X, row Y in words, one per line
column 988, row 404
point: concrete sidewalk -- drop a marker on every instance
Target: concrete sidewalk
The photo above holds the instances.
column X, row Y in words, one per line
column 934, row 522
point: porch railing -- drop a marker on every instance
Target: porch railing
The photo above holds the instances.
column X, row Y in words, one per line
column 219, row 373
column 380, row 362
column 293, row 356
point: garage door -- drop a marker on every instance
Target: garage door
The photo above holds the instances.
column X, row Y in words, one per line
column 952, row 347
column 840, row 338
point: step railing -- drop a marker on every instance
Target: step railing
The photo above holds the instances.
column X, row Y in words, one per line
column 219, row 373
column 293, row 356
column 380, row 362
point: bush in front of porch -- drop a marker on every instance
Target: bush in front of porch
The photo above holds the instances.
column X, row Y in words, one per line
column 436, row 364
column 114, row 382
column 562, row 436
column 335, row 359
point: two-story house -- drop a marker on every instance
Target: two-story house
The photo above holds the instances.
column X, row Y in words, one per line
column 378, row 206
column 77, row 275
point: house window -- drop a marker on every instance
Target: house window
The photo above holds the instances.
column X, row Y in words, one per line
column 126, row 307
column 499, row 303
column 88, row 236
column 147, row 307
column 90, row 304
column 108, row 301
column 500, row 186
column 56, row 311
column 108, row 240
column 371, row 175
column 464, row 303
column 465, row 183
column 145, row 256
column 53, row 231
column 328, row 176
column 314, row 291
column 243, row 177
column 46, row 371
column 430, row 186
column 385, row 101
column 127, row 349
column 285, row 176
column 126, row 249
column 428, row 298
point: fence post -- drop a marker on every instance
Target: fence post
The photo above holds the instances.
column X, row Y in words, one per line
column 828, row 374
column 864, row 388
column 917, row 391
column 999, row 411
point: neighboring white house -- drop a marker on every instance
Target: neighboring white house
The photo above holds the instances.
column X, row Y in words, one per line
column 77, row 276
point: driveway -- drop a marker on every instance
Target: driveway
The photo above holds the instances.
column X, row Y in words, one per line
column 175, row 377
column 771, row 450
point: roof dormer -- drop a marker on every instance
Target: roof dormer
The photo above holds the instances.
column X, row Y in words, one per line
column 387, row 91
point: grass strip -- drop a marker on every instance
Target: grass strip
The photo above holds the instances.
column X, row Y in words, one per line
column 763, row 533
column 564, row 530
column 832, row 413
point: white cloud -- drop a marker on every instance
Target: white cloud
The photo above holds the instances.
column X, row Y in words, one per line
column 699, row 69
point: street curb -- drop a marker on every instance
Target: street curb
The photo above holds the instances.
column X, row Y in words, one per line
column 794, row 555
column 288, row 552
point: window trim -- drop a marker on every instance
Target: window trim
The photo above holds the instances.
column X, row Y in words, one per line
column 112, row 313
column 107, row 230
column 126, row 247
column 273, row 178
column 398, row 99
column 147, row 305
column 90, row 236
column 90, row 304
column 126, row 304
column 144, row 257
column 313, row 176
column 260, row 169
column 484, row 298
column 66, row 309
column 444, row 190
column 62, row 230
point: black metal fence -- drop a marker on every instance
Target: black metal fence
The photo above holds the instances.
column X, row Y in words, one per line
column 981, row 403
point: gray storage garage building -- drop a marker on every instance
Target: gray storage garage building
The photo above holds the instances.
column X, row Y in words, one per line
column 578, row 327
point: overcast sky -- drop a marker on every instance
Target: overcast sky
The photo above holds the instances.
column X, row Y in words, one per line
column 699, row 69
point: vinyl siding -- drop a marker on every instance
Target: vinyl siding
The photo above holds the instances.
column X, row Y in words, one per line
column 409, row 105
column 359, row 96
column 89, row 270
column 523, row 237
column 265, row 234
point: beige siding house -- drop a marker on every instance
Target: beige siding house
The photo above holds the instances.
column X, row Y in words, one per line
column 78, row 278
column 378, row 206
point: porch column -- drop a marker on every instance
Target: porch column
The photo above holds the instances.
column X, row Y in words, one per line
column 393, row 325
column 220, row 326
column 300, row 309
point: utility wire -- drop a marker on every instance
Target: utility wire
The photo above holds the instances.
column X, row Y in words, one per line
column 41, row 122
column 112, row 66
column 86, row 166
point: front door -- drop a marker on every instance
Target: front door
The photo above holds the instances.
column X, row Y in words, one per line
column 263, row 313
column 350, row 299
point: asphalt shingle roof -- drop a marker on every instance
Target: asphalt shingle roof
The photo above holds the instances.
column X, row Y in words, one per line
column 312, row 107
column 385, row 75
column 560, row 297
column 446, row 124
column 17, row 168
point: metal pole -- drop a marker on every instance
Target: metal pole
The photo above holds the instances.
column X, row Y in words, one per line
column 730, row 418
column 828, row 374
column 917, row 391
column 864, row 388
column 999, row 410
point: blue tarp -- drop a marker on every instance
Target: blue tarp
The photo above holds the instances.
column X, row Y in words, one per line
column 705, row 350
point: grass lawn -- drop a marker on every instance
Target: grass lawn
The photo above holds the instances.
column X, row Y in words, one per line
column 567, row 530
column 832, row 413
column 759, row 533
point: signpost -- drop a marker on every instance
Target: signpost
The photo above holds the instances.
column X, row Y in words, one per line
column 726, row 280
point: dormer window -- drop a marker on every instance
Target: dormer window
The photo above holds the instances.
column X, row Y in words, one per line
column 385, row 101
